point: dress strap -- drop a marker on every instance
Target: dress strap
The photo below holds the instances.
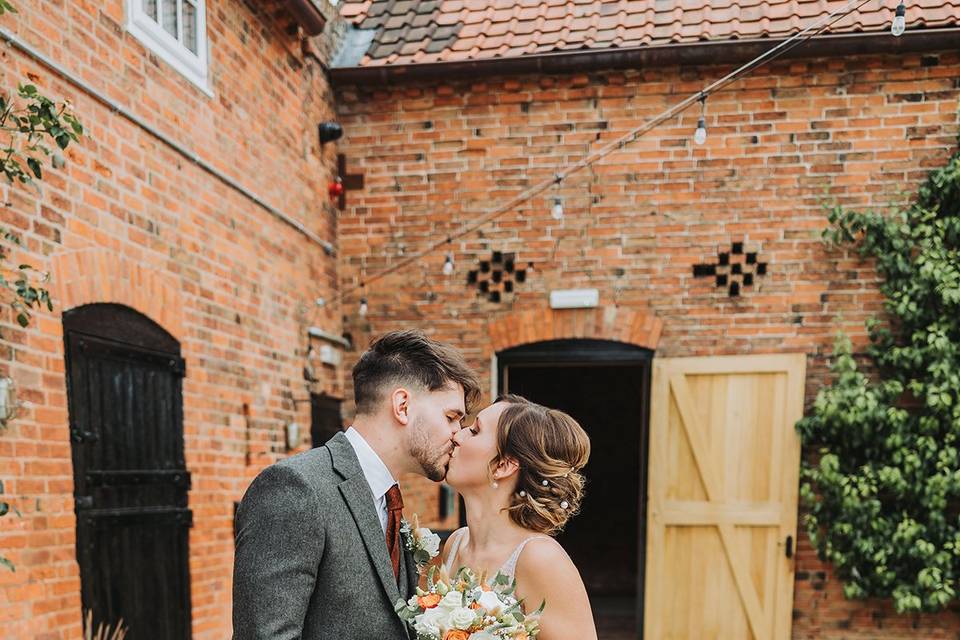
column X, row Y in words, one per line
column 454, row 542
column 509, row 568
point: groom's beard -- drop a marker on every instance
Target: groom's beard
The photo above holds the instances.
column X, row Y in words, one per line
column 433, row 461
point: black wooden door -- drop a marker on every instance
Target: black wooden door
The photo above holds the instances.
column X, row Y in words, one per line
column 124, row 386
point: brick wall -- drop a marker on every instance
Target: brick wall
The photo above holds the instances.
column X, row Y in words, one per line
column 860, row 131
column 129, row 220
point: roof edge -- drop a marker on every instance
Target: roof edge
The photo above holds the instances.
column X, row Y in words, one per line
column 708, row 52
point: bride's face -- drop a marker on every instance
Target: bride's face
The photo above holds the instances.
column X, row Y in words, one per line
column 476, row 447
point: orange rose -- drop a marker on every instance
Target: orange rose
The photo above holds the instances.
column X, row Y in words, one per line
column 429, row 601
column 456, row 634
column 474, row 605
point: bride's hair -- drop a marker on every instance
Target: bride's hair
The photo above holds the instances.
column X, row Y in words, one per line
column 550, row 448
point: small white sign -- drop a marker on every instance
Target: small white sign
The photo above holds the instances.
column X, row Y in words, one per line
column 574, row 298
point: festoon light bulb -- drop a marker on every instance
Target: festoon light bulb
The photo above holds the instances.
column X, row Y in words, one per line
column 899, row 20
column 557, row 210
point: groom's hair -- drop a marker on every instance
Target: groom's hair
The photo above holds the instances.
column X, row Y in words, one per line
column 410, row 358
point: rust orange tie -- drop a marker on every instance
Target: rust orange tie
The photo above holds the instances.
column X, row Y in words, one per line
column 394, row 515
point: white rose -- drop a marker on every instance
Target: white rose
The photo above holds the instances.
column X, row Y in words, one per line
column 490, row 602
column 462, row 618
column 432, row 621
column 429, row 541
column 482, row 635
column 452, row 600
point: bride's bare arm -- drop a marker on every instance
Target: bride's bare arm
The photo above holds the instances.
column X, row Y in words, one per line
column 546, row 573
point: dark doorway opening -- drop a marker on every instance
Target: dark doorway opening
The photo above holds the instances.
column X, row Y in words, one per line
column 605, row 387
column 325, row 418
column 124, row 393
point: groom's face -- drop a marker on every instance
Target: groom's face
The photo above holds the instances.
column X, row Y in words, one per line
column 435, row 417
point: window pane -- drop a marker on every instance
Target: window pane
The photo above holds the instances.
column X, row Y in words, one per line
column 150, row 8
column 190, row 26
column 169, row 21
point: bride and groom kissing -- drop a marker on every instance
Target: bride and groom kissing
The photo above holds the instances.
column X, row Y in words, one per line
column 319, row 553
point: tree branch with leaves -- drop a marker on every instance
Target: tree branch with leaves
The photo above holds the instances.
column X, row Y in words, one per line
column 34, row 130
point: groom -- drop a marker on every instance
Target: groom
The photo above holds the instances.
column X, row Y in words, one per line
column 318, row 552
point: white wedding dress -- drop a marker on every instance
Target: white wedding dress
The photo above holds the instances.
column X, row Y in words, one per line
column 509, row 567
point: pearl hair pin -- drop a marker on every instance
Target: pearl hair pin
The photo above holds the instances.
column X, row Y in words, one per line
column 523, row 494
column 545, row 483
column 564, row 504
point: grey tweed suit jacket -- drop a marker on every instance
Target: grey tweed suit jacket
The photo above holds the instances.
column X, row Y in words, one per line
column 311, row 560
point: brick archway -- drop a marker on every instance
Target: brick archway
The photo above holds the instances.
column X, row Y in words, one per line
column 620, row 324
column 97, row 275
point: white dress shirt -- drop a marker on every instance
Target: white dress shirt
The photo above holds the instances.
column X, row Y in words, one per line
column 378, row 476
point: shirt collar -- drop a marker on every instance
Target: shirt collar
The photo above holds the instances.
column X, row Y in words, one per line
column 376, row 473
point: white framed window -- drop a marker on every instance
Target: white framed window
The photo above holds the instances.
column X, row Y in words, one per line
column 176, row 30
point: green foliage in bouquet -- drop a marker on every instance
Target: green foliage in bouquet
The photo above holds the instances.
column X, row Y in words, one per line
column 467, row 606
column 883, row 491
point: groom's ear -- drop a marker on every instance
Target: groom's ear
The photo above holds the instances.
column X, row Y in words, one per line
column 400, row 405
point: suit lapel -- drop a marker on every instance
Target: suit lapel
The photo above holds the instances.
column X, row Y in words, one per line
column 356, row 493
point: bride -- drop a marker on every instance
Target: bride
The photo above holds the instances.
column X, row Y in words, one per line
column 517, row 468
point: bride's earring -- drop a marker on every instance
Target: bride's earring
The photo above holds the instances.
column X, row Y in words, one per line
column 495, row 484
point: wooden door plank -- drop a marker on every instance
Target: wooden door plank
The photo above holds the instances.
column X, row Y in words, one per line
column 729, row 501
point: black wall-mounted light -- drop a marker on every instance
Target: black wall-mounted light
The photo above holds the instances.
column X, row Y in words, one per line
column 329, row 131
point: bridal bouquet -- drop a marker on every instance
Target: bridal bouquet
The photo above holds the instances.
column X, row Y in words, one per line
column 467, row 608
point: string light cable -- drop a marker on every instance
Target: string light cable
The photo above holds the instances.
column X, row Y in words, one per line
column 799, row 38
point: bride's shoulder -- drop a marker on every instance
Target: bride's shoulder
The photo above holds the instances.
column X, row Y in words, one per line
column 544, row 567
column 541, row 554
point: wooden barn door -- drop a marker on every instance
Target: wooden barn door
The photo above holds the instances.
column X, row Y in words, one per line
column 124, row 377
column 723, row 483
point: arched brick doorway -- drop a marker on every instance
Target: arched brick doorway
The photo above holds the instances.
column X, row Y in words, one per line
column 595, row 364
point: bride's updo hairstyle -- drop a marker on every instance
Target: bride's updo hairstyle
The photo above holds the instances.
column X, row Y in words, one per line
column 550, row 448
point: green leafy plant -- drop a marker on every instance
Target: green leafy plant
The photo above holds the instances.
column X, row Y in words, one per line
column 882, row 489
column 5, row 508
column 29, row 123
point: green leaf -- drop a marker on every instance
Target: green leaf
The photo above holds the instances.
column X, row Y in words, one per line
column 35, row 167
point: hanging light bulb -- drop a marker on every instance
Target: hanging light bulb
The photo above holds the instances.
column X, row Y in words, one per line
column 899, row 20
column 700, row 135
column 448, row 265
column 363, row 307
column 557, row 210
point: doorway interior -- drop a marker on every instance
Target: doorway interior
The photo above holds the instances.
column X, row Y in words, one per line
column 605, row 386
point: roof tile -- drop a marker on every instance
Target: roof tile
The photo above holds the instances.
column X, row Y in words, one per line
column 485, row 29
